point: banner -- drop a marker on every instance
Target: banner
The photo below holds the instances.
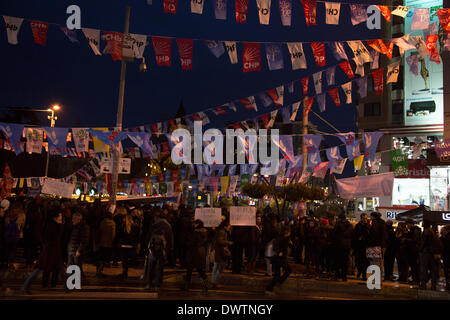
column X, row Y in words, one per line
column 12, row 28
column 334, row 94
column 285, row 11
column 243, row 216
column 338, row 50
column 421, row 19
column 432, row 48
column 185, row 49
column 379, row 46
column 318, row 49
column 34, row 140
column 211, row 217
column 274, row 56
column 321, row 101
column 321, row 170
column 39, row 31
column 371, row 140
column 338, row 166
column 399, row 163
column 57, row 139
column 332, row 12
column 114, row 44
column 317, row 78
column 264, row 11
column 347, row 87
column 70, row 34
column 163, row 49
column 93, row 37
column 58, row 188
column 134, row 45
column 232, row 51
column 333, row 154
column 378, row 81
column 81, row 139
column 310, row 9
column 197, row 6
column 331, row 75
column 345, row 65
column 360, row 51
column 400, row 11
column 313, row 159
column 392, row 72
column 108, row 137
column 358, row 13
column 170, row 6
column 220, row 9
column 346, row 138
column 298, row 58
column 376, row 185
column 13, row 133
column 251, row 56
column 216, row 47
column 143, row 141
column 375, row 55
column 241, row 10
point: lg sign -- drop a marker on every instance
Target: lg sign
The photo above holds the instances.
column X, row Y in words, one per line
column 446, row 216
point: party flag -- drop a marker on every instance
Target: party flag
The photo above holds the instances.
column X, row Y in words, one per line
column 264, row 11
column 421, row 19
column 285, row 11
column 220, row 9
column 241, row 10
column 392, row 72
column 310, row 9
column 358, row 13
column 347, row 87
column 332, row 12
column 39, row 29
column 163, row 48
column 297, row 56
column 334, row 94
column 216, row 47
column 186, row 48
column 232, row 51
column 345, row 65
column 319, row 53
column 13, row 25
column 170, row 6
column 274, row 56
column 251, row 56
column 378, row 81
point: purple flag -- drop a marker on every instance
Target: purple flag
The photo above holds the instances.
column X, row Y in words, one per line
column 321, row 101
column 71, row 34
column 347, row 138
column 359, row 13
column 313, row 159
column 413, row 62
column 362, row 86
column 286, row 147
column 333, row 154
column 331, row 75
column 57, row 139
column 285, row 11
column 338, row 50
column 274, row 56
column 216, row 47
column 220, row 9
column 353, row 150
column 143, row 141
column 371, row 142
column 312, row 141
column 265, row 99
column 320, row 171
column 421, row 19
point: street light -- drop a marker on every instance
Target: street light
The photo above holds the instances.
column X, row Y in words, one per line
column 52, row 119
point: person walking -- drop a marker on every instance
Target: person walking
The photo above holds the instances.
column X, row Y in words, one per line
column 343, row 232
column 222, row 253
column 312, row 247
column 377, row 240
column 127, row 240
column 33, row 233
column 280, row 259
column 106, row 239
column 360, row 240
column 429, row 257
column 78, row 241
column 413, row 238
column 391, row 252
column 402, row 253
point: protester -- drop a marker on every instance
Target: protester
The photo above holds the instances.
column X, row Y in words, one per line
column 391, row 252
column 360, row 242
column 413, row 238
column 4, row 206
column 78, row 241
column 33, row 233
column 106, row 239
column 127, row 241
column 377, row 240
column 429, row 256
column 445, row 242
column 343, row 238
column 402, row 253
column 222, row 253
column 312, row 247
column 253, row 245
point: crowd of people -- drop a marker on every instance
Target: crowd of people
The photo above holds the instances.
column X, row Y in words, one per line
column 57, row 233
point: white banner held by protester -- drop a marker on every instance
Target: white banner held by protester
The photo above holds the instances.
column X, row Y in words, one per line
column 377, row 185
column 58, row 188
column 211, row 217
column 242, row 216
column 125, row 166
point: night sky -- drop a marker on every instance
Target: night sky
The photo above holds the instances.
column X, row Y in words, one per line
column 86, row 86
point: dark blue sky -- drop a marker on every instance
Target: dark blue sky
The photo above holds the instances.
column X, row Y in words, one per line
column 87, row 85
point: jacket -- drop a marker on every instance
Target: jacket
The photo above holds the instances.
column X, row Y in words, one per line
column 360, row 239
column 378, row 233
column 79, row 239
column 107, row 233
column 221, row 250
column 162, row 226
column 343, row 232
column 51, row 257
column 196, row 253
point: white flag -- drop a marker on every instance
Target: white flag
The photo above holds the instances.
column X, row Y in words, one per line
column 392, row 72
column 12, row 28
column 197, row 6
column 338, row 166
column 35, row 137
column 232, row 51
column 417, row 41
column 264, row 11
column 295, row 107
column 318, row 82
column 347, row 87
column 93, row 36
column 134, row 45
column 273, row 116
column 360, row 51
column 400, row 11
column 297, row 56
column 81, row 139
column 359, row 68
column 332, row 12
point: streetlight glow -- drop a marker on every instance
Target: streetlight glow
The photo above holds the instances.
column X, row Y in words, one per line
column 56, row 107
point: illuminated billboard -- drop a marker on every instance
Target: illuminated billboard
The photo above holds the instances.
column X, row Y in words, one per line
column 424, row 99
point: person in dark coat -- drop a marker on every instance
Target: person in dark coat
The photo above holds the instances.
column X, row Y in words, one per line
column 51, row 259
column 280, row 259
column 127, row 235
column 222, row 252
column 445, row 242
column 402, row 252
column 106, row 238
column 360, row 241
column 343, row 232
column 413, row 238
column 196, row 254
column 253, row 245
column 391, row 252
column 78, row 241
column 4, row 205
column 162, row 226
column 269, row 233
column 33, row 233
column 430, row 251
column 240, row 238
column 312, row 247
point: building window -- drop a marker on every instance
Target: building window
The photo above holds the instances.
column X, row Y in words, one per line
column 372, row 110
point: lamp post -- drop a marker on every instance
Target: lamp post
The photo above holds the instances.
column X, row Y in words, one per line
column 52, row 119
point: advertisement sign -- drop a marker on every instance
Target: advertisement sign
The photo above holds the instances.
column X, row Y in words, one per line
column 377, row 185
column 58, row 188
column 424, row 98
column 417, row 168
column 211, row 217
column 243, row 216
column 390, row 213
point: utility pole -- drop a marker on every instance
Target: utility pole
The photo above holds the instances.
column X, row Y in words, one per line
column 305, row 132
column 116, row 155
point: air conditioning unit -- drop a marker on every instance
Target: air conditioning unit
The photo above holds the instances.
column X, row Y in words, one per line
column 429, row 106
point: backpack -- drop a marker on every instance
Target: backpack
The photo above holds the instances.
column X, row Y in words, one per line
column 12, row 232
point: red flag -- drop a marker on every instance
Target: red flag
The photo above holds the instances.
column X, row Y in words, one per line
column 380, row 46
column 275, row 97
column 347, row 69
column 319, row 53
column 236, row 125
column 249, row 103
column 252, row 57
column 310, row 8
column 305, row 82
column 444, row 19
column 39, row 31
column 219, row 111
column 432, row 47
column 265, row 120
column 378, row 81
column 114, row 42
column 307, row 104
column 163, row 47
column 170, row 6
column 385, row 12
column 334, row 93
column 186, row 48
column 196, row 117
column 241, row 10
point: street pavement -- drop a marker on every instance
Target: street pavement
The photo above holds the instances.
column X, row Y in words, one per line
column 232, row 286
